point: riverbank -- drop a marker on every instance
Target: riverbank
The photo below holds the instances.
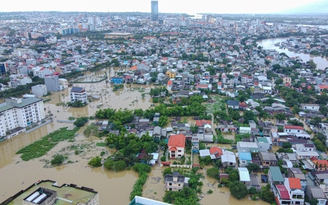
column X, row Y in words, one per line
column 269, row 44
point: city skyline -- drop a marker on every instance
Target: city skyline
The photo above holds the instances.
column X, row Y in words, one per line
column 171, row 6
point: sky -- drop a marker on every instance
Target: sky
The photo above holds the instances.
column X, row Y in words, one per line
column 168, row 6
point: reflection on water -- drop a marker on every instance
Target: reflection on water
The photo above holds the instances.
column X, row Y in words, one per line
column 322, row 63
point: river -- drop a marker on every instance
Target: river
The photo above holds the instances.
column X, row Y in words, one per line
column 322, row 63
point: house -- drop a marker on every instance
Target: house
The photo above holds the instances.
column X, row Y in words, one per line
column 245, row 130
column 226, row 128
column 234, row 104
column 268, row 159
column 228, row 159
column 321, row 180
column 78, row 94
column 175, row 181
column 293, row 185
column 281, row 193
column 304, row 147
column 216, row 151
column 176, row 145
column 306, row 155
column 250, row 147
column 275, row 176
column 263, row 144
column 310, row 107
column 244, row 176
column 314, row 192
column 245, row 158
column 292, row 129
column 202, row 123
column 297, row 173
column 320, row 165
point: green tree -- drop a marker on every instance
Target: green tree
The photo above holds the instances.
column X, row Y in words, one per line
column 95, row 162
column 238, row 190
column 57, row 159
column 109, row 163
column 79, row 122
column 167, row 171
column 253, row 167
column 266, row 194
column 286, row 145
column 163, row 120
column 213, row 172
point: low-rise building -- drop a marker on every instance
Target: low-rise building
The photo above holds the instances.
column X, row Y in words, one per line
column 310, row 107
column 78, row 94
column 293, row 185
column 268, row 159
column 175, row 181
column 176, row 145
column 314, row 192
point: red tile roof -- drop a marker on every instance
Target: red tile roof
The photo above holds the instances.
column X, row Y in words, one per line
column 323, row 86
column 200, row 123
column 293, row 127
column 178, row 140
column 294, row 183
column 216, row 151
column 283, row 191
column 323, row 162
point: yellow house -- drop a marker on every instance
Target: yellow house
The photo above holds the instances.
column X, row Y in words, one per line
column 171, row 73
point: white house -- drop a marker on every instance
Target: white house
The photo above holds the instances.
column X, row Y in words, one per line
column 176, row 145
column 78, row 94
column 293, row 185
column 292, row 129
column 245, row 130
column 310, row 107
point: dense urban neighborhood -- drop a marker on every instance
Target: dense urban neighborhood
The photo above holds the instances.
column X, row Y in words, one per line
column 210, row 111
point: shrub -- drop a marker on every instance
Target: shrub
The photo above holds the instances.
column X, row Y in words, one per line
column 80, row 122
column 95, row 162
column 213, row 172
column 57, row 159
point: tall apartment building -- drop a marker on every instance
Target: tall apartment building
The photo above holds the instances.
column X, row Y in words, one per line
column 52, row 83
column 78, row 94
column 18, row 113
column 154, row 10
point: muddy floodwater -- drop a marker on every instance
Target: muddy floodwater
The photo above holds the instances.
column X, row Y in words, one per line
column 113, row 188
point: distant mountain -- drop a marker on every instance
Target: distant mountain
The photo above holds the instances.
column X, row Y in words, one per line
column 312, row 8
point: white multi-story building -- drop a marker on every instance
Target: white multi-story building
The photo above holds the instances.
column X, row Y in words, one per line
column 78, row 94
column 18, row 113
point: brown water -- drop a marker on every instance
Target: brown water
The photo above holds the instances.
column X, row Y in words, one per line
column 222, row 195
column 322, row 63
column 114, row 187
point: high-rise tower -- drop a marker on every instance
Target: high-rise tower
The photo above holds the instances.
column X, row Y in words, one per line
column 154, row 10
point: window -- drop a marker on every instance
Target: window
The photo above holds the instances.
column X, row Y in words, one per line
column 170, row 184
column 179, row 150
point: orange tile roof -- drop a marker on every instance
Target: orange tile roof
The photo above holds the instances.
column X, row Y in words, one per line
column 217, row 151
column 178, row 140
column 203, row 122
column 294, row 183
column 323, row 162
column 134, row 68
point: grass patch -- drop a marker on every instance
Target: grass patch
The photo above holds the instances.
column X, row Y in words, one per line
column 101, row 144
column 42, row 146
